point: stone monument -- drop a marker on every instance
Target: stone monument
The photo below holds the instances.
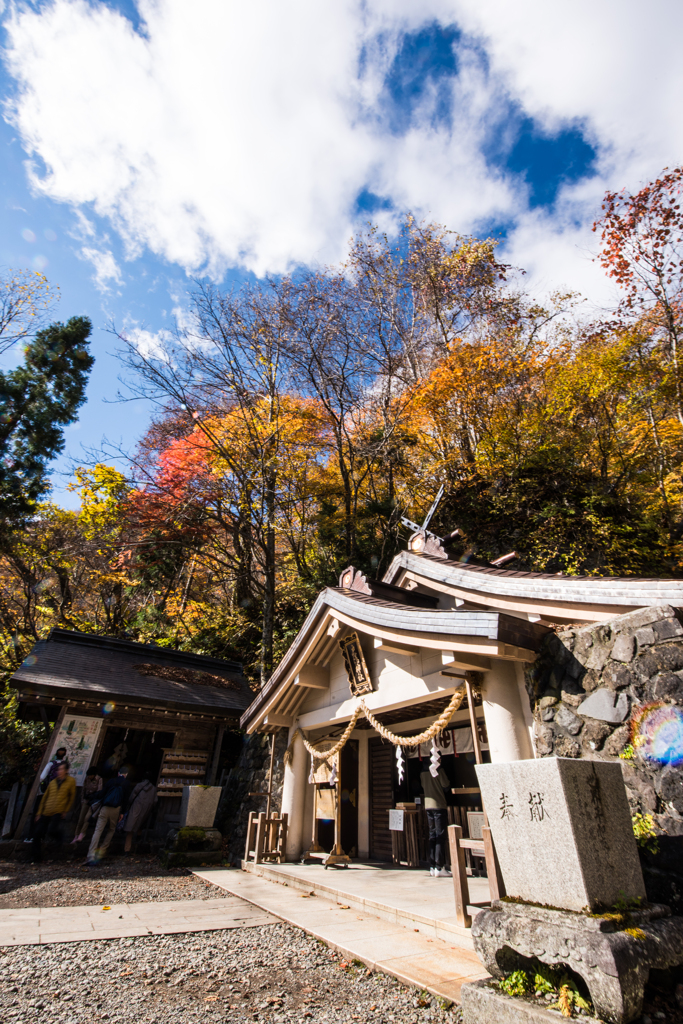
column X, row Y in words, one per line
column 195, row 841
column 198, row 806
column 562, row 831
column 576, row 898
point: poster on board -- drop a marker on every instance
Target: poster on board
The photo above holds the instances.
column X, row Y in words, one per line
column 79, row 736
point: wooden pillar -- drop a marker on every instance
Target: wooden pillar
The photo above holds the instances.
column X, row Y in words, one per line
column 11, row 807
column 250, row 833
column 508, row 735
column 270, row 772
column 260, row 838
column 459, row 870
column 294, row 798
column 473, row 719
column 33, row 791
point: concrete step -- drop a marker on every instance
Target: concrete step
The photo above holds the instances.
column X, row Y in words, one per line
column 400, row 895
column 415, row 956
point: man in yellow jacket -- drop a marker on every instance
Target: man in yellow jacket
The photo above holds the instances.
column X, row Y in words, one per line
column 57, row 801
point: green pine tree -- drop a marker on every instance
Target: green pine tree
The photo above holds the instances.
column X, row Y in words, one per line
column 38, row 400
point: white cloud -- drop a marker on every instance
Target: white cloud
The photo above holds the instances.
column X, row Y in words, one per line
column 150, row 344
column 83, row 228
column 241, row 133
column 106, row 267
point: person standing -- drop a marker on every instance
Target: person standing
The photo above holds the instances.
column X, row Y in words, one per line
column 141, row 801
column 437, row 819
column 92, row 785
column 49, row 772
column 56, row 803
column 114, row 800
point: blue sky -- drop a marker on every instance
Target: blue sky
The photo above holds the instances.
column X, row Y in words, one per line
column 149, row 144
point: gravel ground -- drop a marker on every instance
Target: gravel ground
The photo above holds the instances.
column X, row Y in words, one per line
column 119, row 880
column 273, row 974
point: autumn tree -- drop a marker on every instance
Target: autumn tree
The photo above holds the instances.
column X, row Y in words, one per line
column 26, row 300
column 229, row 380
column 642, row 250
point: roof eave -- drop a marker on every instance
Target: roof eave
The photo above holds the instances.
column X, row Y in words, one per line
column 483, row 633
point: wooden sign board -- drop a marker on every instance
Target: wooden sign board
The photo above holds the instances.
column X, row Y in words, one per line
column 475, row 824
column 396, row 820
column 356, row 669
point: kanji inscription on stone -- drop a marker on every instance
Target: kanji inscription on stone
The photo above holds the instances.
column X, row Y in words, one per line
column 537, row 807
column 506, row 807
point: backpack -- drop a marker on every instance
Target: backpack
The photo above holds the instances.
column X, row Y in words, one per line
column 114, row 797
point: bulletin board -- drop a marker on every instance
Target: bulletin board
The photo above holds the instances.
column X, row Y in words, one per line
column 79, row 736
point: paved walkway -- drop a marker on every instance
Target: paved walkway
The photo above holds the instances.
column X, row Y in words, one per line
column 407, row 897
column 417, row 957
column 28, row 927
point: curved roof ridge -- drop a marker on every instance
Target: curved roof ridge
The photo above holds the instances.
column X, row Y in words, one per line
column 624, row 590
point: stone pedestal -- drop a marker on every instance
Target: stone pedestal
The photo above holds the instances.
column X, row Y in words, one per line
column 198, row 806
column 612, row 953
column 483, row 1003
column 191, row 845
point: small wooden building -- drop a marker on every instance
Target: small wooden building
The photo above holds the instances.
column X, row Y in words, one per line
column 161, row 712
column 408, row 646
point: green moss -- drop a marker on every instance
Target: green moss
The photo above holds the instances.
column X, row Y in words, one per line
column 644, row 831
column 189, row 838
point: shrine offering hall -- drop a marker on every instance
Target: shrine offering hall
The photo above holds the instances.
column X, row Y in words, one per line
column 429, row 665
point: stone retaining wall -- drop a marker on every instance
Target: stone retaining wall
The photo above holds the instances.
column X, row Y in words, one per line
column 585, row 687
column 250, row 775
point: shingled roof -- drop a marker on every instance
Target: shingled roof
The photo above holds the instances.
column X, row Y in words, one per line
column 622, row 591
column 70, row 665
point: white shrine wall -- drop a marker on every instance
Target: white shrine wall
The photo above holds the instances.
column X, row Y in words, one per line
column 399, row 679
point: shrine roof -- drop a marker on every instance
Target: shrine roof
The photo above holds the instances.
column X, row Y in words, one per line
column 68, row 665
column 628, row 591
column 376, row 614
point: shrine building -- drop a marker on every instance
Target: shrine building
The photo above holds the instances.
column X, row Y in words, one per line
column 433, row 635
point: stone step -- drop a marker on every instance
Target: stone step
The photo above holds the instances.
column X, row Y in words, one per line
column 405, row 897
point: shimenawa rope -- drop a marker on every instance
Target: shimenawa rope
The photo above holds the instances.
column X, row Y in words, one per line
column 399, row 741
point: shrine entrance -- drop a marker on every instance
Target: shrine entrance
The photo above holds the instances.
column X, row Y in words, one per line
column 348, row 795
column 458, row 761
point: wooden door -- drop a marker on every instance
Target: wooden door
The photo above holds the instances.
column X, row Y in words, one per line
column 382, row 761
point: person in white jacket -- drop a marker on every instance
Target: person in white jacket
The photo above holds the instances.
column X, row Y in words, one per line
column 49, row 772
column 141, row 801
